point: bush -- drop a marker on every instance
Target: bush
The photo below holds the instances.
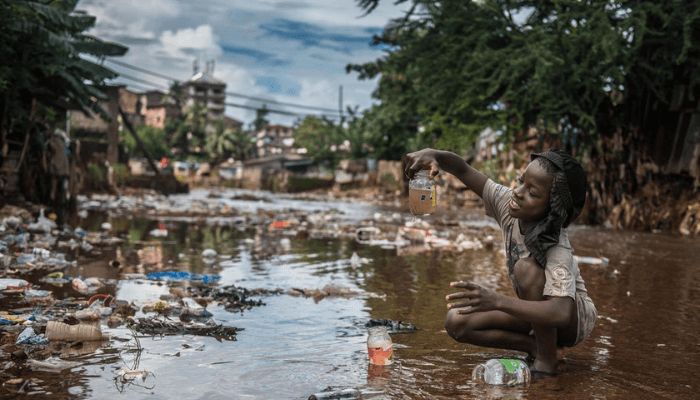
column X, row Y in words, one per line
column 121, row 174
column 96, row 177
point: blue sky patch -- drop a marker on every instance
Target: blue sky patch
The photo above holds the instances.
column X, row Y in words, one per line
column 310, row 35
column 274, row 85
column 260, row 57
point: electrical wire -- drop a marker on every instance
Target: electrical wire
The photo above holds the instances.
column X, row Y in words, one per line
column 270, row 110
column 233, row 94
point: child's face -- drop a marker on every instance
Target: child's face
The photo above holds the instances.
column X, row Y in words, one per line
column 530, row 201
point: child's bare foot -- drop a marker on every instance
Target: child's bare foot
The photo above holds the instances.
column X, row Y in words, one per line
column 543, row 368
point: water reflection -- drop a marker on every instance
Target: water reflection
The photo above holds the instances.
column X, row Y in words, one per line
column 294, row 346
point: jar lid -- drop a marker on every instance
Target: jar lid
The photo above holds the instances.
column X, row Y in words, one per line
column 377, row 329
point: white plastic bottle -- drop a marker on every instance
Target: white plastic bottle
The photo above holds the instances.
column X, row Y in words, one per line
column 502, row 371
column 379, row 346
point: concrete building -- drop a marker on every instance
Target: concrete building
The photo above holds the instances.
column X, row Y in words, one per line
column 158, row 108
column 205, row 90
column 275, row 140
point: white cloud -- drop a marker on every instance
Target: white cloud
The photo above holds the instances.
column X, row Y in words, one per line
column 200, row 39
column 166, row 36
column 132, row 18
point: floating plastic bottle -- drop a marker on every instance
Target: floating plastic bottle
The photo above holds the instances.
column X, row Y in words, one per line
column 502, row 371
column 345, row 394
column 379, row 346
column 422, row 195
column 59, row 331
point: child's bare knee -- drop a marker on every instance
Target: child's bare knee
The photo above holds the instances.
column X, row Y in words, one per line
column 529, row 278
column 458, row 326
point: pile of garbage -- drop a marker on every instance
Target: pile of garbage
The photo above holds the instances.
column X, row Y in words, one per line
column 389, row 230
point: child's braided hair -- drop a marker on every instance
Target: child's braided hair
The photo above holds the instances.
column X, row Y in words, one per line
column 560, row 201
column 545, row 234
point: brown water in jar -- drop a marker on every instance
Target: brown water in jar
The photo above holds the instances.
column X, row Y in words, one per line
column 422, row 201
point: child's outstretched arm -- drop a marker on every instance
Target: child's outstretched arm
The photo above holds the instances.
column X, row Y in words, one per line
column 436, row 160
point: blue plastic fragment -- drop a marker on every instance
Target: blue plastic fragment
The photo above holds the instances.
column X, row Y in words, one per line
column 28, row 336
column 181, row 276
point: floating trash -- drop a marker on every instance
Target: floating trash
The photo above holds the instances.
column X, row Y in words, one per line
column 13, row 284
column 392, row 326
column 181, row 276
column 339, row 394
column 602, row 261
column 163, row 327
column 56, row 330
column 29, row 336
column 379, row 346
column 209, row 253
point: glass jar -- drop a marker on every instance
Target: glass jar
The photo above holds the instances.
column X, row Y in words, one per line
column 379, row 346
column 422, row 195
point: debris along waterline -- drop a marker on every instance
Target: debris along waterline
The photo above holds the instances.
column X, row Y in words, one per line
column 59, row 258
column 304, row 346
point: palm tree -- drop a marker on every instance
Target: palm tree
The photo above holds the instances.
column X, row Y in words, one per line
column 220, row 143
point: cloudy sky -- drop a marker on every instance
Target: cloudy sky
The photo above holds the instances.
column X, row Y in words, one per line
column 292, row 51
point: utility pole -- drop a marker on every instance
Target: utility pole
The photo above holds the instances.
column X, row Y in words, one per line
column 340, row 101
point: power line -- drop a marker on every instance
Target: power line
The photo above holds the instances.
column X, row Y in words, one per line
column 234, row 94
column 270, row 110
column 290, row 113
column 142, row 81
column 145, row 71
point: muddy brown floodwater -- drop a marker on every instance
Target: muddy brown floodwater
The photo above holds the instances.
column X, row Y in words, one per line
column 645, row 344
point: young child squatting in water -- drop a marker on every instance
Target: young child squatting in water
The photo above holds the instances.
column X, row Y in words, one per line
column 552, row 308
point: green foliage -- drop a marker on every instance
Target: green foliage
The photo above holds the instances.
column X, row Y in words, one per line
column 224, row 143
column 319, row 136
column 327, row 141
column 96, row 175
column 261, row 120
column 243, row 145
column 42, row 43
column 121, row 174
column 154, row 140
column 577, row 69
column 189, row 131
column 357, row 135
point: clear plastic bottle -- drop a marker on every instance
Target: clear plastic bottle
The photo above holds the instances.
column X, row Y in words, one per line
column 502, row 371
column 379, row 346
column 422, row 195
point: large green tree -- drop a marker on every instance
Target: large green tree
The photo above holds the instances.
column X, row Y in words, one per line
column 42, row 44
column 320, row 137
column 598, row 75
column 561, row 66
column 44, row 72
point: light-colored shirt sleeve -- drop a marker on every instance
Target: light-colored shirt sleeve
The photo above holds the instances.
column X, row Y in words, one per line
column 560, row 272
column 496, row 199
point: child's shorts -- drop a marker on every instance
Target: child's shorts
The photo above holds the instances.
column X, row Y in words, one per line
column 587, row 316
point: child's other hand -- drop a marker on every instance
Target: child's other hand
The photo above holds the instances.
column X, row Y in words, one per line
column 474, row 298
column 425, row 159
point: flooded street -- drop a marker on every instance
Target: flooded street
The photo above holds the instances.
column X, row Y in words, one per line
column 644, row 345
